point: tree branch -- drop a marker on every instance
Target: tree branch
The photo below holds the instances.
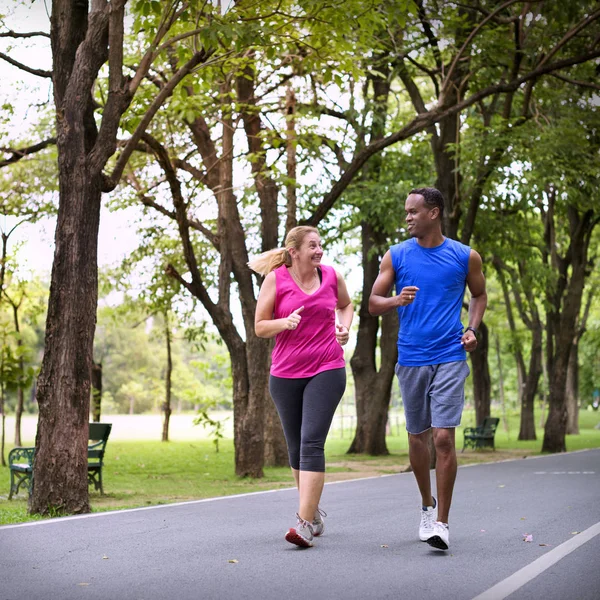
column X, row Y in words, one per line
column 448, row 80
column 196, row 173
column 15, row 63
column 151, row 203
column 585, row 84
column 433, row 42
column 30, row 34
column 324, row 110
column 496, row 19
column 112, row 180
column 19, row 153
column 569, row 35
column 119, row 95
column 423, row 121
column 430, row 72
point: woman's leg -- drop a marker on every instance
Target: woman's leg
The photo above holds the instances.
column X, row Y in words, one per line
column 287, row 395
column 311, row 488
column 322, row 395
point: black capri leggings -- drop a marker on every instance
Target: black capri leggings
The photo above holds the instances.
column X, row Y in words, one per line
column 306, row 407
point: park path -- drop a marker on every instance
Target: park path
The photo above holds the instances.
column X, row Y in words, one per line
column 233, row 548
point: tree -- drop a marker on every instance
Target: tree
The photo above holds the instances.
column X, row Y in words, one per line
column 558, row 187
column 447, row 61
column 83, row 39
column 207, row 121
column 519, row 282
column 243, row 98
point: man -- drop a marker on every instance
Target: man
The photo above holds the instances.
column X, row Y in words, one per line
column 430, row 273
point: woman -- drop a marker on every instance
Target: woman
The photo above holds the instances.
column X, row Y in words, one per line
column 297, row 305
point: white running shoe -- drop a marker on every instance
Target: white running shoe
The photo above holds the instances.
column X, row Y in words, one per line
column 428, row 518
column 301, row 535
column 440, row 540
column 318, row 525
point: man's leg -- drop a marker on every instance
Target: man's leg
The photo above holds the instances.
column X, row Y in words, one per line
column 420, row 459
column 447, row 402
column 445, row 470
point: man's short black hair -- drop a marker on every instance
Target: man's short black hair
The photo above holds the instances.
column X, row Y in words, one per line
column 432, row 196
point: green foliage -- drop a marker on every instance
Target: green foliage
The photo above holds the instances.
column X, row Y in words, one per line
column 327, row 61
column 20, row 351
column 130, row 345
column 216, row 426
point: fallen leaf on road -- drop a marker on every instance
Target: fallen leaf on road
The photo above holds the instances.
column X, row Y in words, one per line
column 384, row 546
column 83, row 584
column 543, row 544
column 232, row 560
column 527, row 537
column 104, row 557
column 575, row 532
column 502, row 485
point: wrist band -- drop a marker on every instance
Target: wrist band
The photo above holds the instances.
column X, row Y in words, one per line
column 471, row 329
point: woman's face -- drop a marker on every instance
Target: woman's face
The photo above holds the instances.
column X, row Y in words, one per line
column 311, row 250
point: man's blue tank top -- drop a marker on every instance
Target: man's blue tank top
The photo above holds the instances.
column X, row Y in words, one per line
column 430, row 328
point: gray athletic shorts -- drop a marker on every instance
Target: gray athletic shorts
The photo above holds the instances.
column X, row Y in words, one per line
column 433, row 396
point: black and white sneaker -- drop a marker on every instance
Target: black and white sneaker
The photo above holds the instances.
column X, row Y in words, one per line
column 428, row 518
column 440, row 540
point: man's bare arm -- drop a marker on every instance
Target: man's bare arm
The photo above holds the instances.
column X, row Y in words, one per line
column 476, row 285
column 380, row 302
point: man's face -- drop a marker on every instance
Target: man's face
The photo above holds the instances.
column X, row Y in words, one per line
column 420, row 218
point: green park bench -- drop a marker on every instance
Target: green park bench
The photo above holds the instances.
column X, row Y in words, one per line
column 20, row 461
column 481, row 436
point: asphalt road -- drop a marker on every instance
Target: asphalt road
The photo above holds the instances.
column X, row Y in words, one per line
column 233, row 548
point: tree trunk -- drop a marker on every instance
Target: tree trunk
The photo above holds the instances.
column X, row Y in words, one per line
column 20, row 393
column 169, row 372
column 19, row 416
column 2, row 433
column 372, row 386
column 480, row 374
column 276, row 454
column 63, row 389
column 530, row 388
column 573, row 390
column 96, row 391
column 291, row 163
column 249, row 369
column 556, row 423
column 528, row 379
column 372, row 404
column 501, row 384
column 565, row 302
column 79, row 49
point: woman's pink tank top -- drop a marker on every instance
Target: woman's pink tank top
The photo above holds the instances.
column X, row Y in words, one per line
column 312, row 347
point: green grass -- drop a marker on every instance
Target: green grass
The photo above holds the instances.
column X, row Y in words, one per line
column 150, row 473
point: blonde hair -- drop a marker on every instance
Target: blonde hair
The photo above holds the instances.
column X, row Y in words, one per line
column 272, row 259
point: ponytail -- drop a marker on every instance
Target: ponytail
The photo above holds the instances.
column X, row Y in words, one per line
column 272, row 259
column 268, row 261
